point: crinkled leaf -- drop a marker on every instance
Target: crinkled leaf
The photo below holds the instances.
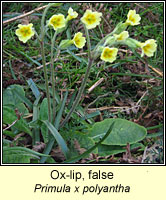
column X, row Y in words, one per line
column 123, row 132
column 9, row 116
column 19, row 155
column 10, row 97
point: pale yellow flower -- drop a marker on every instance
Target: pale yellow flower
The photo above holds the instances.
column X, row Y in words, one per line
column 91, row 19
column 148, row 47
column 133, row 18
column 71, row 14
column 109, row 54
column 57, row 21
column 78, row 40
column 122, row 36
column 25, row 32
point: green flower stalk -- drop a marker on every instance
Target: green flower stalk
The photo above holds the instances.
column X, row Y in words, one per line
column 53, row 74
column 44, row 59
column 81, row 90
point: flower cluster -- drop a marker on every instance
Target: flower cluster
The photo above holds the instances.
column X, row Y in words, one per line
column 92, row 19
column 25, row 32
column 148, row 47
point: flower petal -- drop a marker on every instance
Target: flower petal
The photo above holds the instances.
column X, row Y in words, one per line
column 91, row 19
column 109, row 54
column 57, row 21
column 133, row 18
column 78, row 40
column 24, row 32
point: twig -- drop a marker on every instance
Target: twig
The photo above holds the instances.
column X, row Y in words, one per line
column 10, row 125
column 112, row 108
column 157, row 71
column 144, row 155
column 24, row 15
column 18, row 114
column 95, row 85
column 104, row 108
column 141, row 98
column 104, row 95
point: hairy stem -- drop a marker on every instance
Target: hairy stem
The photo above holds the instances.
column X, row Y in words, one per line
column 44, row 59
column 81, row 90
column 52, row 73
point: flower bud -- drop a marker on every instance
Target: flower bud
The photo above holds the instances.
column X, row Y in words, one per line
column 65, row 44
column 132, row 43
column 120, row 27
column 110, row 41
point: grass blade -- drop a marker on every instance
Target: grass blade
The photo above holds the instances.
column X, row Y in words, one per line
column 137, row 75
column 58, row 138
column 36, row 130
column 34, row 88
column 72, row 99
column 12, row 71
column 59, row 115
column 77, row 57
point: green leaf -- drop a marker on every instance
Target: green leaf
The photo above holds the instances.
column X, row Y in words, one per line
column 23, row 98
column 19, row 155
column 43, row 113
column 58, row 138
column 9, row 116
column 123, row 132
column 10, row 97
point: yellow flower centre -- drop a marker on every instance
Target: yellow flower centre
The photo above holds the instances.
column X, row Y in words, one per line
column 120, row 37
column 147, row 47
column 107, row 54
column 132, row 19
column 56, row 22
column 25, row 31
column 90, row 19
column 77, row 41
